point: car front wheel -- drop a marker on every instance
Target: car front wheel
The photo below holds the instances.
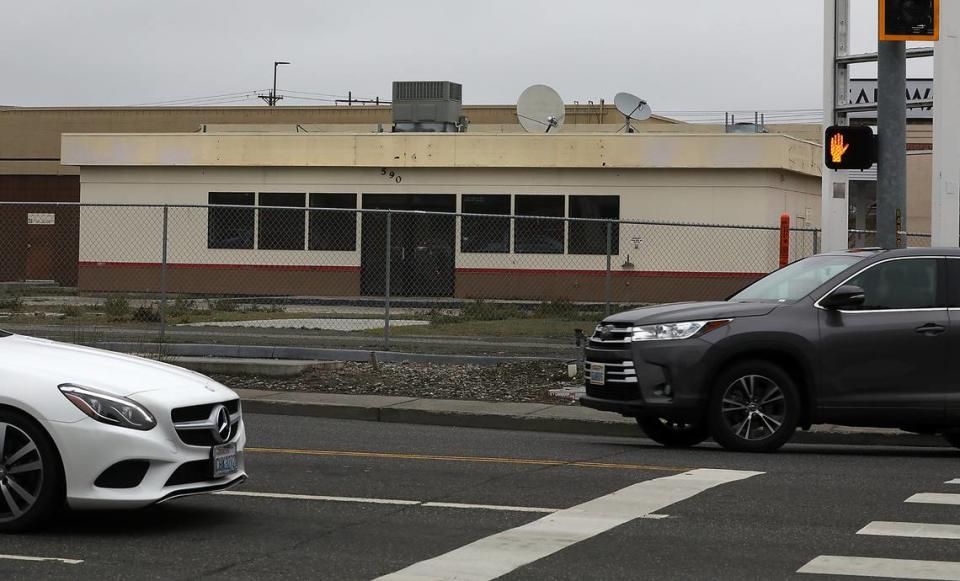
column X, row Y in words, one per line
column 31, row 485
column 754, row 407
column 673, row 434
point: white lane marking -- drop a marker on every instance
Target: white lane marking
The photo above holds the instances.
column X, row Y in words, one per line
column 360, row 500
column 499, row 554
column 911, row 529
column 489, row 507
column 886, row 568
column 47, row 559
column 321, row 498
column 934, row 498
column 954, row 481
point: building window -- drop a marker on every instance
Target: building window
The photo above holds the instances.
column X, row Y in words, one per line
column 538, row 236
column 485, row 233
column 280, row 229
column 333, row 230
column 230, row 227
column 591, row 237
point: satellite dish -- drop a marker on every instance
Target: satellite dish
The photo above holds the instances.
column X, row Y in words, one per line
column 633, row 108
column 540, row 109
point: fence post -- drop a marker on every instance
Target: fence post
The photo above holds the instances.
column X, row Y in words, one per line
column 386, row 289
column 784, row 239
column 163, row 279
column 607, row 285
column 816, row 241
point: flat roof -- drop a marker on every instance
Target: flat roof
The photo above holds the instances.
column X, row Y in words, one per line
column 445, row 150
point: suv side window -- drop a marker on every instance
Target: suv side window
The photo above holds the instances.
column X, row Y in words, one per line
column 900, row 284
column 953, row 283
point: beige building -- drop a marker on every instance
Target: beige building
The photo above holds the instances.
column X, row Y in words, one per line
column 718, row 178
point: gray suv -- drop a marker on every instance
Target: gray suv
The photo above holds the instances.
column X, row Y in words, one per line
column 857, row 338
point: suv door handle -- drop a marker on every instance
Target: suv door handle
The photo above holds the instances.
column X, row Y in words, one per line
column 931, row 329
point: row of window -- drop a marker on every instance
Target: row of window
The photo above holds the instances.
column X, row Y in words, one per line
column 279, row 228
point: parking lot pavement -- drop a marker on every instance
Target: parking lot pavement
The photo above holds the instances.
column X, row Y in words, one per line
column 336, row 499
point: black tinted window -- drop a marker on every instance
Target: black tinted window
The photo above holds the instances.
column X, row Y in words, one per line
column 281, row 229
column 539, row 236
column 333, row 230
column 485, row 233
column 591, row 237
column 230, row 227
column 899, row 284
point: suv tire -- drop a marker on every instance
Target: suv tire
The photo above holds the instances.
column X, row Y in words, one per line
column 673, row 434
column 754, row 407
column 31, row 477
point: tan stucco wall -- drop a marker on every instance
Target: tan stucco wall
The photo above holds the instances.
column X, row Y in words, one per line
column 919, row 190
column 673, row 151
column 30, row 136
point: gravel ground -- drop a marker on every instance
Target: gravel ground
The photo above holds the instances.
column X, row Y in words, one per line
column 514, row 382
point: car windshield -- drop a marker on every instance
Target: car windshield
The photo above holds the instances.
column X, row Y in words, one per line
column 797, row 280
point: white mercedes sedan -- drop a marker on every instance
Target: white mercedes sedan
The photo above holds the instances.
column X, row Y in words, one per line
column 89, row 429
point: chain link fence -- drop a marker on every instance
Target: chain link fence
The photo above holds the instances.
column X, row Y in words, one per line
column 868, row 239
column 334, row 275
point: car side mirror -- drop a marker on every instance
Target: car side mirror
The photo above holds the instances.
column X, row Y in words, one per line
column 846, row 296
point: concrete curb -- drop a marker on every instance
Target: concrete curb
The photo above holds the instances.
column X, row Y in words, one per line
column 523, row 417
column 308, row 353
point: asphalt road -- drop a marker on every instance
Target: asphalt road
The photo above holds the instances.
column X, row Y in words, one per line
column 367, row 499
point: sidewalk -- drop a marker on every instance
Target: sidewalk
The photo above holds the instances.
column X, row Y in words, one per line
column 521, row 416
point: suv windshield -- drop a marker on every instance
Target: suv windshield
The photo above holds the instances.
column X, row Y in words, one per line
column 795, row 281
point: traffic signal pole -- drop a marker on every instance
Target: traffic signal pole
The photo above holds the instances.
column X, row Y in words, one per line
column 945, row 217
column 892, row 144
column 835, row 184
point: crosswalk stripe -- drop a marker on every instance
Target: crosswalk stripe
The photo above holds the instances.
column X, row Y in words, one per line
column 910, row 529
column 885, row 568
column 501, row 553
column 934, row 498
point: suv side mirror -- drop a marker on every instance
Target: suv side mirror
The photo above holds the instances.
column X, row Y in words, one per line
column 846, row 296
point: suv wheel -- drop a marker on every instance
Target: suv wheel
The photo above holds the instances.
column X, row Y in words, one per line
column 953, row 436
column 673, row 434
column 31, row 485
column 755, row 407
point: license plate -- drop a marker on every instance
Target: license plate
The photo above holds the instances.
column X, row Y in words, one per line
column 598, row 373
column 224, row 460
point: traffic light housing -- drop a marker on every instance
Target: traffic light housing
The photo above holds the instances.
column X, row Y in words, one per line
column 910, row 19
column 849, row 147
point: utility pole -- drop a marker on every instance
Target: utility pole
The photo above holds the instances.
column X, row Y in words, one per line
column 892, row 144
column 946, row 130
column 272, row 98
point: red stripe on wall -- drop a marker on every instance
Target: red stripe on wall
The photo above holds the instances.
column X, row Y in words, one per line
column 642, row 273
column 275, row 267
column 522, row 271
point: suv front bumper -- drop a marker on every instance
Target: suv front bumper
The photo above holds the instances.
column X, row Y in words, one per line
column 662, row 379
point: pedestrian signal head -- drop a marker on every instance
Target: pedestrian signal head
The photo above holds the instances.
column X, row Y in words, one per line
column 849, row 148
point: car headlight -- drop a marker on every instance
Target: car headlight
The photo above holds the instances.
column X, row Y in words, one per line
column 109, row 409
column 671, row 331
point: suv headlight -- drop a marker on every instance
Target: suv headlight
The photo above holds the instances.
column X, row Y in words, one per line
column 109, row 409
column 671, row 331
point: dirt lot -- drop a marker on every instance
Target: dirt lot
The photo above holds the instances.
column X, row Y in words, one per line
column 515, row 382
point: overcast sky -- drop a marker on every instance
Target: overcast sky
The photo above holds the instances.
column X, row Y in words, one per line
column 681, row 55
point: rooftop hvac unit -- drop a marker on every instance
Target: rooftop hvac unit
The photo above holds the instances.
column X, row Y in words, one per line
column 429, row 106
